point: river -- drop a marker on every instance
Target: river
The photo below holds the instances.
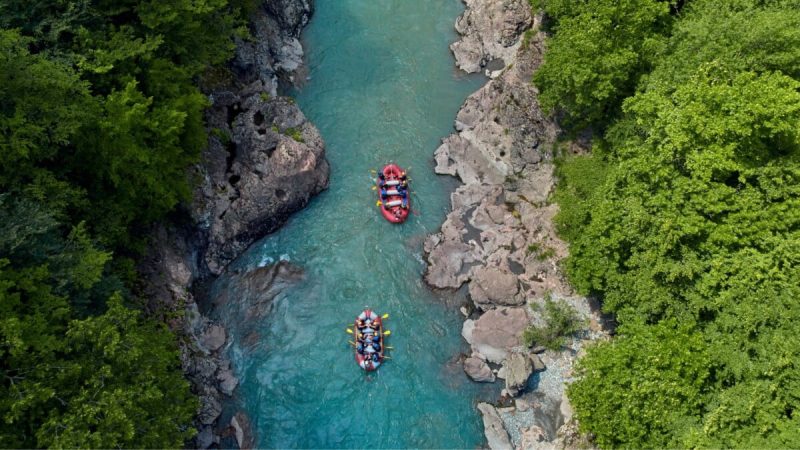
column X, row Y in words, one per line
column 382, row 87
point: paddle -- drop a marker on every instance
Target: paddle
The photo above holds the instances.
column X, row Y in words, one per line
column 387, row 332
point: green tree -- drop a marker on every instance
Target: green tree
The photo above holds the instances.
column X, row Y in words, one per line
column 685, row 221
column 599, row 51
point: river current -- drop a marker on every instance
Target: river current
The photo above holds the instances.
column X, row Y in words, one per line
column 382, row 87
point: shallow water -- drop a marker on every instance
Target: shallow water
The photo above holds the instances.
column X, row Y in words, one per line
column 382, row 86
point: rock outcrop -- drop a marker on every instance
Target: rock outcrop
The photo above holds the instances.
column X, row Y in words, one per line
column 500, row 238
column 475, row 366
column 496, row 435
column 264, row 160
column 274, row 54
column 490, row 31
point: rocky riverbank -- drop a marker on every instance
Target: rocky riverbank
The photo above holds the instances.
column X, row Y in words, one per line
column 264, row 160
column 500, row 239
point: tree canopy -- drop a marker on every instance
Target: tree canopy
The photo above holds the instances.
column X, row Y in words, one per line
column 100, row 116
column 685, row 221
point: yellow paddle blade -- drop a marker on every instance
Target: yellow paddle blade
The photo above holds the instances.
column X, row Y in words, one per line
column 378, row 203
column 373, row 171
column 385, row 316
column 389, row 348
column 351, row 343
column 374, row 188
column 387, row 332
column 349, row 331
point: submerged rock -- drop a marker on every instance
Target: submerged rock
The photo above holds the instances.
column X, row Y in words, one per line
column 250, row 294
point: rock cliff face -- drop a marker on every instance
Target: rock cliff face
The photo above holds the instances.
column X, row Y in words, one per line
column 499, row 238
column 264, row 160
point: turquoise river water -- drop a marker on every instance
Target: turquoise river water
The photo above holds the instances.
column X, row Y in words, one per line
column 382, row 86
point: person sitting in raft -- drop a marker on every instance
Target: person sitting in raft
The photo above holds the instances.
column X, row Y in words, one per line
column 360, row 348
column 376, row 357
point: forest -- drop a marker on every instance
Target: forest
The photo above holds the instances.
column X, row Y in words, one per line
column 100, row 115
column 685, row 218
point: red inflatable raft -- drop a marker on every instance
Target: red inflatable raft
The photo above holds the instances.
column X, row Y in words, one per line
column 369, row 340
column 393, row 193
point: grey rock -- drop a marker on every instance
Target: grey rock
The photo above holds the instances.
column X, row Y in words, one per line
column 538, row 349
column 478, row 370
column 496, row 332
column 495, row 432
column 227, row 381
column 210, row 409
column 213, row 338
column 493, row 286
column 242, row 430
column 204, row 438
column 537, row 363
column 269, row 165
column 274, row 52
column 502, row 373
column 518, row 369
column 522, row 405
column 490, row 30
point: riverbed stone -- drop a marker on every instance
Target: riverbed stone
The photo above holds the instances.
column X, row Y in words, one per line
column 489, row 30
column 537, row 363
column 227, row 381
column 493, row 286
column 496, row 332
column 205, row 437
column 518, row 369
column 496, row 434
column 210, row 409
column 478, row 370
column 213, row 338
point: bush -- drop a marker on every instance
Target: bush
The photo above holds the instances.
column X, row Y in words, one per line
column 561, row 321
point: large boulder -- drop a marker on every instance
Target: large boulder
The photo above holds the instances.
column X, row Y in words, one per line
column 494, row 286
column 478, row 370
column 518, row 369
column 496, row 332
column 210, row 409
column 495, row 432
column 213, row 338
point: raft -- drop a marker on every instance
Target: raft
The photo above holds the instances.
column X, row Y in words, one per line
column 393, row 196
column 365, row 360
